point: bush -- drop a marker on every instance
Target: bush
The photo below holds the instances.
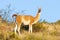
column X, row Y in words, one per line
column 38, row 27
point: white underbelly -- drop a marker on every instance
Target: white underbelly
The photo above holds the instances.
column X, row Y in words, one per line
column 25, row 22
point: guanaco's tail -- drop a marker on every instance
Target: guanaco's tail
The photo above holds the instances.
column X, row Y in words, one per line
column 14, row 15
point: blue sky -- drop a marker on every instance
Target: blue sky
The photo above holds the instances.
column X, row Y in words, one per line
column 50, row 8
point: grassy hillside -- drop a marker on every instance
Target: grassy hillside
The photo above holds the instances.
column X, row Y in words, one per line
column 41, row 31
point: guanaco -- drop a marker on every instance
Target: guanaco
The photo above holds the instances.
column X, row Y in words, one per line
column 26, row 20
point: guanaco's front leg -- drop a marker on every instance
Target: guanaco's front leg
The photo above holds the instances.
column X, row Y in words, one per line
column 30, row 28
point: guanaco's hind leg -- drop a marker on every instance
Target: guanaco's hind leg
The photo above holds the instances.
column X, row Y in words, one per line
column 19, row 26
column 15, row 29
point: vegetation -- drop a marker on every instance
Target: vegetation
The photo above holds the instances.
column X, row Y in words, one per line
column 41, row 30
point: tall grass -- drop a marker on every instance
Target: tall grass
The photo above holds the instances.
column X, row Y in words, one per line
column 41, row 31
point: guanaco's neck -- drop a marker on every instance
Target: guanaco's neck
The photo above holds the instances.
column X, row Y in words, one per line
column 38, row 15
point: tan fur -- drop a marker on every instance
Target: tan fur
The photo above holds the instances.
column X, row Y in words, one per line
column 27, row 20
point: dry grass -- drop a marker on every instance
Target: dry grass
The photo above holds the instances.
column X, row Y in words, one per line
column 41, row 31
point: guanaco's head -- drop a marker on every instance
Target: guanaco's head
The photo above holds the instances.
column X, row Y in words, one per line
column 39, row 10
